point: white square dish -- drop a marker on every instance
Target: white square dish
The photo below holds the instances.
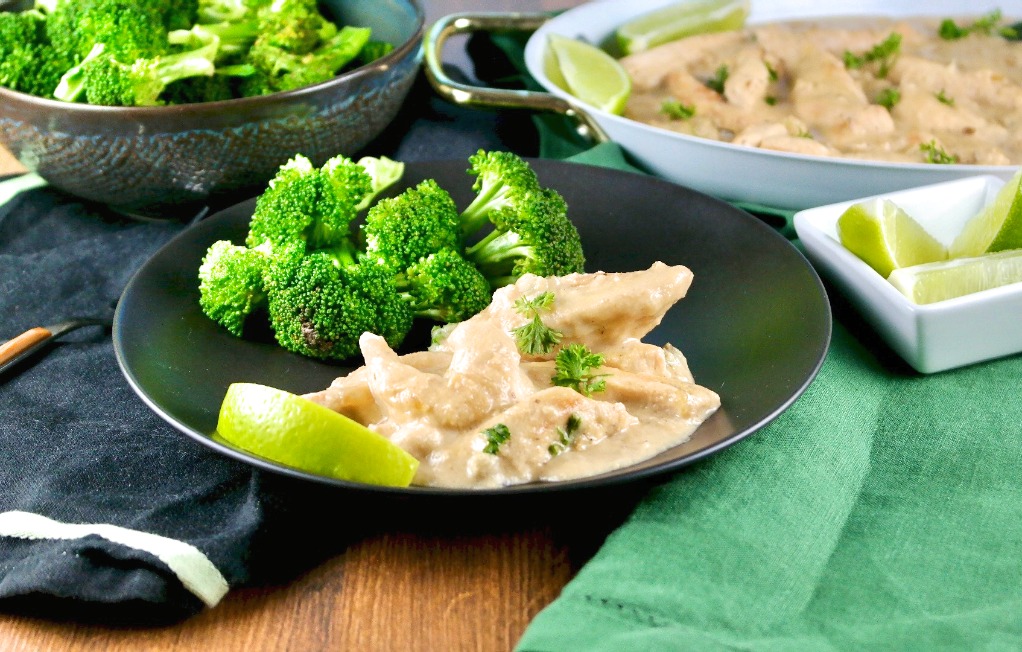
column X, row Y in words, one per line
column 936, row 336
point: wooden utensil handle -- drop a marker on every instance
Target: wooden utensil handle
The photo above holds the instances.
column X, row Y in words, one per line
column 14, row 347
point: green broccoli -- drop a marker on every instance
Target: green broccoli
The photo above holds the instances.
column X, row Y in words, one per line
column 534, row 236
column 231, row 284
column 28, row 63
column 280, row 69
column 501, row 179
column 129, row 30
column 322, row 302
column 103, row 79
column 445, row 287
column 420, row 221
column 233, row 39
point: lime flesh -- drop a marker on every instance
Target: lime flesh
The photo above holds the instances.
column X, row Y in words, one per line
column 296, row 432
column 883, row 235
column 680, row 20
column 998, row 227
column 589, row 73
column 958, row 277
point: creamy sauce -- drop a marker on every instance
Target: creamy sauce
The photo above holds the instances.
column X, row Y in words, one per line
column 437, row 404
column 789, row 89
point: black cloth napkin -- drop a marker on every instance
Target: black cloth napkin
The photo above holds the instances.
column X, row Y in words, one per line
column 80, row 448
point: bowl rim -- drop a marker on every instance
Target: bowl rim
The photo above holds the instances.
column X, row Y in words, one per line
column 411, row 46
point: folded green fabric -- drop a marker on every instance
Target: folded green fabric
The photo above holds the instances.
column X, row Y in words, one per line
column 882, row 511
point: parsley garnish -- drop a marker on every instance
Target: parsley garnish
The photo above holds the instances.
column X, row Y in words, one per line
column 575, row 364
column 883, row 54
column 889, row 97
column 535, row 337
column 944, row 99
column 565, row 435
column 949, row 30
column 495, row 436
column 937, row 154
column 771, row 72
column 718, row 80
column 675, row 110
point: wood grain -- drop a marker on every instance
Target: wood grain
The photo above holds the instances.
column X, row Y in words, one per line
column 460, row 587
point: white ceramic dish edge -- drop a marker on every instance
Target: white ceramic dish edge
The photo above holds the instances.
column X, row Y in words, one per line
column 776, row 179
column 933, row 337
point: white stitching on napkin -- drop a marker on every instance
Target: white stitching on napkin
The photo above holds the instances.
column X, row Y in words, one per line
column 196, row 572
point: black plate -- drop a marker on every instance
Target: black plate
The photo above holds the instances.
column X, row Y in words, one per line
column 755, row 325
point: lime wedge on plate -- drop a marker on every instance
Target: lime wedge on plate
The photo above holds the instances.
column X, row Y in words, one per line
column 997, row 227
column 957, row 277
column 292, row 430
column 589, row 73
column 883, row 235
column 680, row 20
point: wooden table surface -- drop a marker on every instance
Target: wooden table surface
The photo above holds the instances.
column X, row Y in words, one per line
column 455, row 584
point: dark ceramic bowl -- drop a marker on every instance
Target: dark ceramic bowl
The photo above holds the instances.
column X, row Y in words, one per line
column 154, row 161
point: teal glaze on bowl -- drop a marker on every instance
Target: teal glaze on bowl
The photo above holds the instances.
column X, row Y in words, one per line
column 154, row 161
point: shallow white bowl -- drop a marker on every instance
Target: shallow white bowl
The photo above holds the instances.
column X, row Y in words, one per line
column 931, row 337
column 750, row 174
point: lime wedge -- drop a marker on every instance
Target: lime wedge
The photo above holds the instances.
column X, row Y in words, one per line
column 883, row 235
column 995, row 228
column 680, row 20
column 958, row 277
column 292, row 430
column 590, row 74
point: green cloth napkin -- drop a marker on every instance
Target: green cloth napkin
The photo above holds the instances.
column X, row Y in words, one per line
column 882, row 511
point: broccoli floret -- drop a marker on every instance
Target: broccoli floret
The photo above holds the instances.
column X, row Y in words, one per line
column 129, row 30
column 284, row 70
column 531, row 236
column 218, row 11
column 445, row 287
column 501, row 179
column 233, row 38
column 231, row 284
column 320, row 305
column 28, row 63
column 420, row 221
column 374, row 50
column 295, row 26
column 311, row 205
column 103, row 79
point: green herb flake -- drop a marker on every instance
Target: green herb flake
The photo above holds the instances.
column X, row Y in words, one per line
column 495, row 436
column 770, row 100
column 771, row 71
column 889, row 97
column 718, row 80
column 675, row 110
column 936, row 154
column 944, row 99
column 988, row 24
column 535, row 337
column 565, row 435
column 574, row 367
column 883, row 54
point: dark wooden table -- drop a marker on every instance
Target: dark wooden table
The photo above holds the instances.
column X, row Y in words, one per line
column 453, row 585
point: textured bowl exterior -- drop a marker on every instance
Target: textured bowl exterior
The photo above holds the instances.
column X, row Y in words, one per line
column 154, row 160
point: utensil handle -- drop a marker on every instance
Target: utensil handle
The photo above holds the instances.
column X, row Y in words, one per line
column 465, row 95
column 17, row 348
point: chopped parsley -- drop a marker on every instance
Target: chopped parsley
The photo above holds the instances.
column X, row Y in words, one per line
column 675, row 110
column 574, row 367
column 718, row 80
column 565, row 435
column 770, row 100
column 989, row 24
column 495, row 436
column 535, row 337
column 944, row 99
column 771, row 71
column 883, row 54
column 937, row 154
column 889, row 97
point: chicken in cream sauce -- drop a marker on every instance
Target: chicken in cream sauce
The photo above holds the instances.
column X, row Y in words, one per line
column 440, row 404
column 873, row 89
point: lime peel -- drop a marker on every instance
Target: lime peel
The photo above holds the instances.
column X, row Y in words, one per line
column 679, row 20
column 294, row 431
column 998, row 227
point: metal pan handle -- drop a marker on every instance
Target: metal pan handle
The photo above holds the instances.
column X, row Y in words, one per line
column 478, row 96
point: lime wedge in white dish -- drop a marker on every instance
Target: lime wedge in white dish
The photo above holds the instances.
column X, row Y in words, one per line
column 933, row 282
column 678, row 21
column 590, row 74
column 998, row 227
column 886, row 237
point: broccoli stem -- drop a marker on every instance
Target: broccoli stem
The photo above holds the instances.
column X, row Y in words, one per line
column 497, row 253
column 476, row 214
